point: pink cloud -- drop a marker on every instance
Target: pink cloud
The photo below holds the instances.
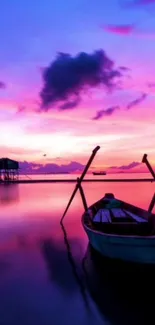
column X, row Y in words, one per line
column 127, row 30
column 120, row 29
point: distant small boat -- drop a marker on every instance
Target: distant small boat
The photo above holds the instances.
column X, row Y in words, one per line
column 99, row 173
column 121, row 231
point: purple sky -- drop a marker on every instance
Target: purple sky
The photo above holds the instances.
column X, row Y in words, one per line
column 121, row 121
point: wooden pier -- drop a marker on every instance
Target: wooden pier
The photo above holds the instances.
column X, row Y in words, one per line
column 110, row 180
column 9, row 169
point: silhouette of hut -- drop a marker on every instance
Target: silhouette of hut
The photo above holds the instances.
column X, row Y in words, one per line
column 8, row 169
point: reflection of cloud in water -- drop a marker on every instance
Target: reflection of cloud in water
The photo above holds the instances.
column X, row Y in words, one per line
column 122, row 292
column 9, row 193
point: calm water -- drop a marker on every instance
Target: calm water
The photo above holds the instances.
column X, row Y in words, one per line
column 40, row 283
column 88, row 176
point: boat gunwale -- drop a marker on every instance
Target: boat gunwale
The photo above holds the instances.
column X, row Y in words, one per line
column 112, row 234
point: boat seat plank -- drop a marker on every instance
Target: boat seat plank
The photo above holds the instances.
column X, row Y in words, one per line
column 103, row 215
column 97, row 217
column 118, row 213
column 135, row 217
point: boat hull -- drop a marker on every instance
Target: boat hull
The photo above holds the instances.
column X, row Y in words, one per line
column 124, row 248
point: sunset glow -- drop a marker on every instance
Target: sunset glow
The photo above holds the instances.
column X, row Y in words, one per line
column 70, row 134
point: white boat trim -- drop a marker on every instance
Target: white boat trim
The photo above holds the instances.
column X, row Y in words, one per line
column 115, row 235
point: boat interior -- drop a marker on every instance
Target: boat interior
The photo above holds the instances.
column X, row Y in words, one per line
column 113, row 216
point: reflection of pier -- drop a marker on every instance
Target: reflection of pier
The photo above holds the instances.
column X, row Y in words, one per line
column 8, row 170
column 9, row 193
column 71, row 180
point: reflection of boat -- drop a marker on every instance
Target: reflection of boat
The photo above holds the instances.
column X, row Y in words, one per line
column 120, row 291
column 99, row 173
column 120, row 230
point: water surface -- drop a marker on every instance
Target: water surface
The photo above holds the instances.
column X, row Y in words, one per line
column 40, row 283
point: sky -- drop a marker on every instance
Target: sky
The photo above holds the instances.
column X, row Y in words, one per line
column 76, row 74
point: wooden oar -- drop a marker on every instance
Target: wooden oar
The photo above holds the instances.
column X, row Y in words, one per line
column 152, row 204
column 80, row 180
column 82, row 195
column 145, row 160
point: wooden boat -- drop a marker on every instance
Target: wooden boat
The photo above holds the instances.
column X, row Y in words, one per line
column 99, row 173
column 116, row 229
column 119, row 230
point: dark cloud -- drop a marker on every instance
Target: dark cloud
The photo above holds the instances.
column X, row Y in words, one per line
column 109, row 111
column 130, row 166
column 119, row 29
column 105, row 112
column 137, row 101
column 124, row 68
column 68, row 76
column 126, row 167
column 2, row 85
column 32, row 168
column 70, row 104
column 29, row 168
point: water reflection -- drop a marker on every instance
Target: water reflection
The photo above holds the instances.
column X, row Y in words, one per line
column 59, row 270
column 9, row 193
column 22, row 241
column 65, row 275
column 38, row 278
column 121, row 291
column 4, row 265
